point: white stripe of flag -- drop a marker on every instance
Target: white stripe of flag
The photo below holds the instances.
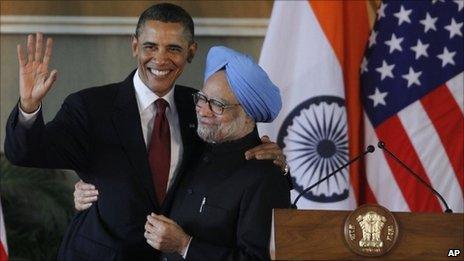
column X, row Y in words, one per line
column 380, row 177
column 455, row 86
column 432, row 154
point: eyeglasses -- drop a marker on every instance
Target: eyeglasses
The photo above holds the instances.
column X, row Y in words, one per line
column 215, row 106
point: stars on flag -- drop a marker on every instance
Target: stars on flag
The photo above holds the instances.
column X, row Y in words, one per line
column 364, row 65
column 436, row 1
column 378, row 97
column 454, row 28
column 420, row 49
column 394, row 43
column 413, row 48
column 460, row 4
column 372, row 37
column 429, row 23
column 385, row 70
column 446, row 57
column 403, row 16
column 381, row 11
column 412, row 77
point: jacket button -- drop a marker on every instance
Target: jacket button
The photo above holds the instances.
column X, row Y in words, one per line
column 206, row 159
column 190, row 191
column 165, row 259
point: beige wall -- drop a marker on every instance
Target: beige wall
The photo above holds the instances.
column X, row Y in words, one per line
column 197, row 8
column 230, row 9
column 85, row 61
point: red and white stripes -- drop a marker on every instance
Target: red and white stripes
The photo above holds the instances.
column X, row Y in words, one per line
column 3, row 245
column 428, row 136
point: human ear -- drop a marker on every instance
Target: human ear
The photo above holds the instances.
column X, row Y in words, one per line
column 135, row 46
column 191, row 52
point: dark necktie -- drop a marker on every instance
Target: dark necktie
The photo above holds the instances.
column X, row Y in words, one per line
column 159, row 152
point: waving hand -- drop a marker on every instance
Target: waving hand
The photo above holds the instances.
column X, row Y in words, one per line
column 34, row 78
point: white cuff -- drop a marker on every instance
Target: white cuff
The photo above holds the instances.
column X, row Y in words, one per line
column 184, row 256
column 27, row 119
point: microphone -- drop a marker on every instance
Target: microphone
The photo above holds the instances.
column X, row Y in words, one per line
column 382, row 146
column 369, row 149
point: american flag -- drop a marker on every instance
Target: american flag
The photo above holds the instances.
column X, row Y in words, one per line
column 412, row 92
column 3, row 246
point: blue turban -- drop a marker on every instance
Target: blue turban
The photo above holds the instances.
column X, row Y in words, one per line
column 259, row 97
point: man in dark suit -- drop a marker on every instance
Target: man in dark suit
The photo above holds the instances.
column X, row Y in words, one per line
column 132, row 139
column 222, row 208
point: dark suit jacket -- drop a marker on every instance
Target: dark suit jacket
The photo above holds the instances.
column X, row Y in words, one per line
column 97, row 132
column 234, row 222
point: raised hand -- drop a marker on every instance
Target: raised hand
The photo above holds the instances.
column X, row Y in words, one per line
column 34, row 78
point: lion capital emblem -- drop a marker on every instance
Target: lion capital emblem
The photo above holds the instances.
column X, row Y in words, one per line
column 371, row 224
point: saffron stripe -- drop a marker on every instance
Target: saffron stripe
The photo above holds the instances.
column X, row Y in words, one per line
column 346, row 27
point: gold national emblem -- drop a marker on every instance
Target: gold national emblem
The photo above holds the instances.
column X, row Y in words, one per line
column 371, row 230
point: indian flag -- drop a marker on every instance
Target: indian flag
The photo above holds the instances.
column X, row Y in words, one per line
column 313, row 51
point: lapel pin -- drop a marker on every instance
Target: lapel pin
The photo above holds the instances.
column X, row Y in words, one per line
column 203, row 203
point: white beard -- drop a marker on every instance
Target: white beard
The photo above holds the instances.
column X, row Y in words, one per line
column 222, row 133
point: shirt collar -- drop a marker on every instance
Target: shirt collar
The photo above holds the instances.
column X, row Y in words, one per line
column 146, row 97
column 243, row 144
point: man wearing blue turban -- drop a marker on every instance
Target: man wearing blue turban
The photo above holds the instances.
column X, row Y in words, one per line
column 223, row 208
column 254, row 90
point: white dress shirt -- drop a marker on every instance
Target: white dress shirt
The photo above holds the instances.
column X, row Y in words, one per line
column 147, row 111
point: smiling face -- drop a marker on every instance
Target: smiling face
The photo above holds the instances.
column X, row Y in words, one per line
column 232, row 124
column 162, row 51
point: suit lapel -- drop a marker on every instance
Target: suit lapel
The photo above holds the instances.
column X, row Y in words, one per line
column 126, row 121
column 190, row 142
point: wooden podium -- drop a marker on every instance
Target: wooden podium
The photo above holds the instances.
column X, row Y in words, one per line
column 319, row 234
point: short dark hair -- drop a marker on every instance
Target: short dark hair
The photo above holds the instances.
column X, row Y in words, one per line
column 167, row 13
